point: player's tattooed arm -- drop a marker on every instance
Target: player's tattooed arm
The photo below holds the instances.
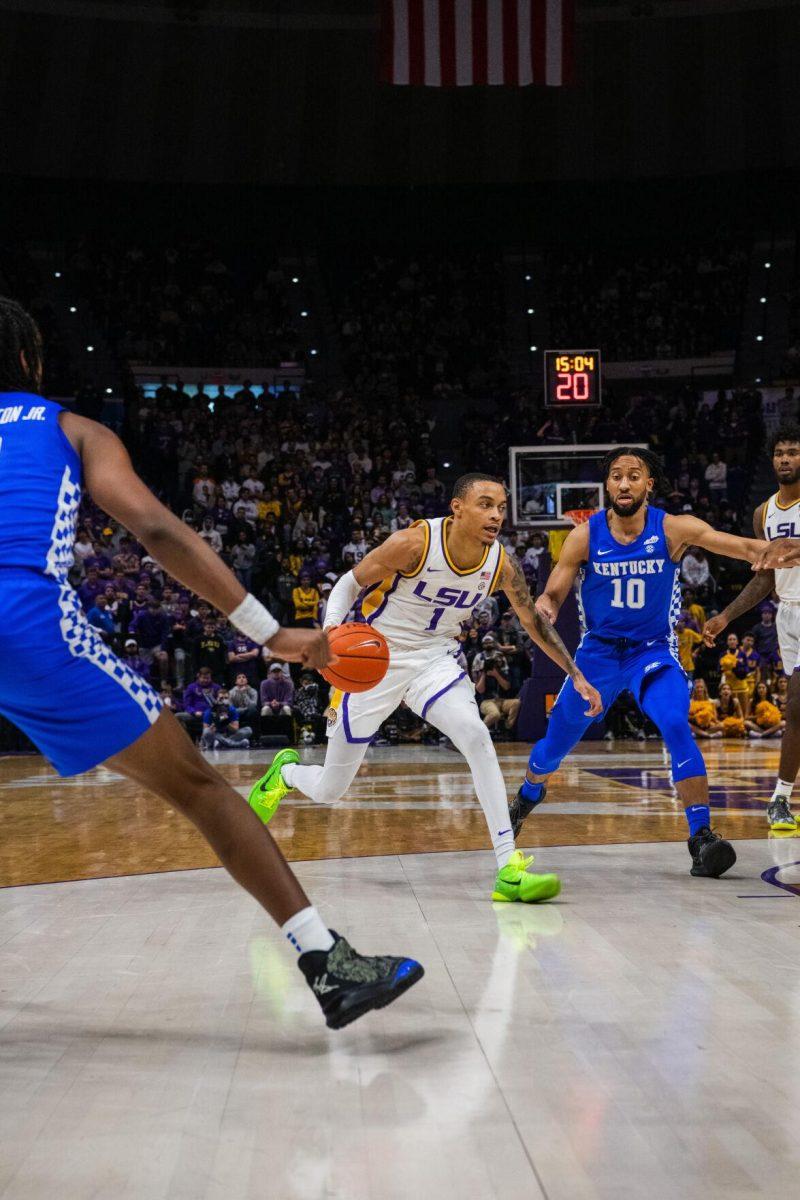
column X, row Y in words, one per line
column 543, row 633
column 758, row 588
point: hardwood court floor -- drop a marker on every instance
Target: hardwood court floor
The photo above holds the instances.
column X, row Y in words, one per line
column 405, row 800
column 637, row 1039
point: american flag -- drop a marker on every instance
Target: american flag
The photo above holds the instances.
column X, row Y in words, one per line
column 458, row 43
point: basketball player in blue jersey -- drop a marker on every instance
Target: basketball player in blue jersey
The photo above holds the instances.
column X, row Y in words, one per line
column 417, row 588
column 46, row 456
column 627, row 559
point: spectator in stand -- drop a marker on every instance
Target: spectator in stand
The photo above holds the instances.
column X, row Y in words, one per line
column 765, row 640
column 696, row 572
column 83, row 547
column 307, row 703
column 749, row 668
column 689, row 641
column 167, row 697
column 152, row 628
column 102, row 619
column 243, row 556
column 134, row 660
column 716, row 476
column 277, row 697
column 493, row 687
column 244, row 698
column 204, row 487
column 325, row 589
column 197, row 698
column 305, row 601
column 221, row 727
column 357, row 546
column 209, row 650
column 246, row 508
column 510, row 640
column 209, row 534
column 243, row 655
column 92, row 587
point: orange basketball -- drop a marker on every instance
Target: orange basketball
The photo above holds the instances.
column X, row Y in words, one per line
column 363, row 657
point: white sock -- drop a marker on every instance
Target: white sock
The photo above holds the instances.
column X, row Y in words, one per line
column 783, row 791
column 306, row 930
column 457, row 716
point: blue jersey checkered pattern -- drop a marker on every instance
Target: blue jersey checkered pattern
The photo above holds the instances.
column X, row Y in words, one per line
column 630, row 591
column 54, row 666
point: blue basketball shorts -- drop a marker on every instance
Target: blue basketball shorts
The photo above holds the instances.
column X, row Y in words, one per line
column 659, row 685
column 59, row 681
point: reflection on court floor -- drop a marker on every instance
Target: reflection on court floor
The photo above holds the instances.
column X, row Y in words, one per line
column 406, row 799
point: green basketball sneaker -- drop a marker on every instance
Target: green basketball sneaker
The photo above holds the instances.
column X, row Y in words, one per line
column 515, row 882
column 266, row 795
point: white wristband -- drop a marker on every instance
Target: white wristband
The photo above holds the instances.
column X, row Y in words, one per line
column 254, row 621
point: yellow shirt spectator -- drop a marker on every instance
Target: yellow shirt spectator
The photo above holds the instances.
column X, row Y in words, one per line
column 306, row 603
column 697, row 613
column 688, row 639
column 269, row 506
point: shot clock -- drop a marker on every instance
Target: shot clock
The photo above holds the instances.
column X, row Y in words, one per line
column 571, row 378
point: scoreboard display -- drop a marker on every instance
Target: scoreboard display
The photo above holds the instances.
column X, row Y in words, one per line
column 571, row 378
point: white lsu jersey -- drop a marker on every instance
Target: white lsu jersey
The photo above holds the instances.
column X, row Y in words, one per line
column 780, row 521
column 428, row 605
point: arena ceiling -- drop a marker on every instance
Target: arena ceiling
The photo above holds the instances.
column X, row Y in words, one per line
column 297, row 14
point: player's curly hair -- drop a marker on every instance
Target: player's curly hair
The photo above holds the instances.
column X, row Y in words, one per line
column 653, row 463
column 18, row 331
column 790, row 432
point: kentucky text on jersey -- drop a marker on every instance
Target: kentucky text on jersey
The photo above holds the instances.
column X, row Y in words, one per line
column 632, row 591
column 644, row 566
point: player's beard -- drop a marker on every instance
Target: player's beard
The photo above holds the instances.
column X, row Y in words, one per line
column 788, row 480
column 631, row 509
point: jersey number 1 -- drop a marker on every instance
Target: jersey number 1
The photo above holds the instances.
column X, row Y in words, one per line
column 634, row 593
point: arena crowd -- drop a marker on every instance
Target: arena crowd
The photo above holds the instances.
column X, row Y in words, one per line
column 294, row 489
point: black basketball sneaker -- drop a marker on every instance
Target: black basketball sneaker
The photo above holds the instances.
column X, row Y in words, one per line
column 519, row 808
column 348, row 984
column 711, row 856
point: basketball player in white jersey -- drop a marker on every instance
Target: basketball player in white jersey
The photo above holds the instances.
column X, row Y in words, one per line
column 417, row 588
column 778, row 517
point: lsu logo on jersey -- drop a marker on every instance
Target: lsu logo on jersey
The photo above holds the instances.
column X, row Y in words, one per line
column 448, row 597
column 783, row 529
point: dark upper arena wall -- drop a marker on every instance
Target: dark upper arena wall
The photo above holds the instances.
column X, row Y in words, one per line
column 85, row 96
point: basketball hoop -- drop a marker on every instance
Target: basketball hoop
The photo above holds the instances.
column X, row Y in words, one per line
column 579, row 516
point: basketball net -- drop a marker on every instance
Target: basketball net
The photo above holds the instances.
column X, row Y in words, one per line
column 579, row 516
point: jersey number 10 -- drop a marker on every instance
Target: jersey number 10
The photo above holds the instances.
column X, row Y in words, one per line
column 634, row 593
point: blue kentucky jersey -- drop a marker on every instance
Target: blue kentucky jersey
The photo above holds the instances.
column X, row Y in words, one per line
column 40, row 486
column 631, row 591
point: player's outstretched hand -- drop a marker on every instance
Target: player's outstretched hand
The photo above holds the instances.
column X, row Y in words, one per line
column 585, row 689
column 545, row 608
column 713, row 628
column 308, row 646
column 783, row 552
